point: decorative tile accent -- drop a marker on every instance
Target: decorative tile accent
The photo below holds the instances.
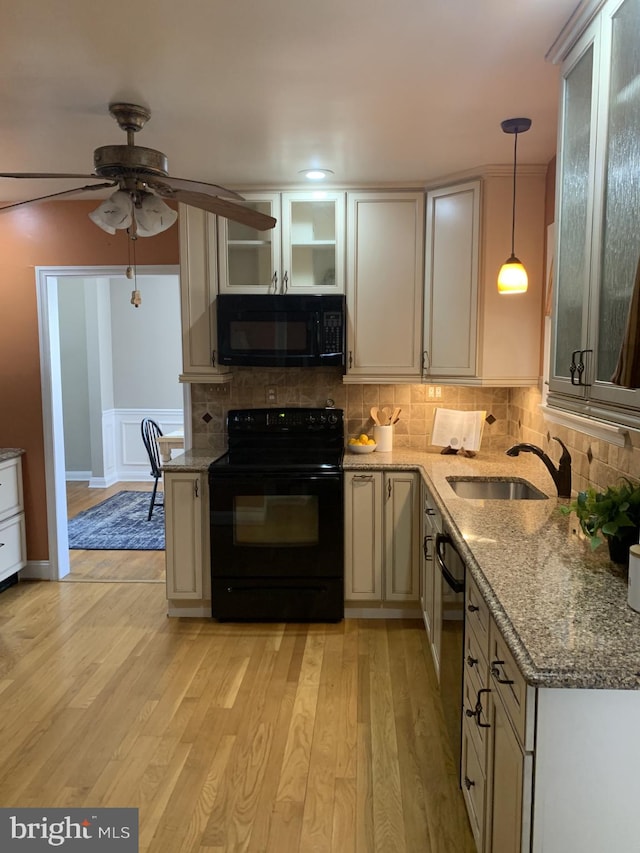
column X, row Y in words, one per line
column 589, row 455
column 490, row 419
column 207, row 417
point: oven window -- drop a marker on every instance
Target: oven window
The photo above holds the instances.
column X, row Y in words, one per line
column 285, row 520
column 283, row 333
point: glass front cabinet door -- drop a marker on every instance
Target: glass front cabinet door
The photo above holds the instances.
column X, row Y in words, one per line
column 598, row 240
column 304, row 253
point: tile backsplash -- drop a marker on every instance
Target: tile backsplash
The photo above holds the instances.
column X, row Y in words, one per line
column 315, row 386
column 515, row 415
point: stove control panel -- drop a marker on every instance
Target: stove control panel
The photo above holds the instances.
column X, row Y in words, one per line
column 285, row 420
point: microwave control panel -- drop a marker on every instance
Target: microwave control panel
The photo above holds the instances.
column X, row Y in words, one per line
column 332, row 332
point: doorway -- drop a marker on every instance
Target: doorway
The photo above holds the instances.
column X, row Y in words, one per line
column 48, row 281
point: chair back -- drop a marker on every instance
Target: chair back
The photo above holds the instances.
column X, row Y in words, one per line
column 150, row 432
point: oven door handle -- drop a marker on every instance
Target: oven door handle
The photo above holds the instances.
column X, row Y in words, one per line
column 443, row 539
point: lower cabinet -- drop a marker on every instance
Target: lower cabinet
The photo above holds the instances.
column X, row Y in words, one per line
column 430, row 578
column 186, row 497
column 497, row 736
column 382, row 541
column 13, row 549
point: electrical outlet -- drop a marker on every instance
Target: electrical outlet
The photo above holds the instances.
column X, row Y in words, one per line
column 438, row 391
column 270, row 395
column 431, row 393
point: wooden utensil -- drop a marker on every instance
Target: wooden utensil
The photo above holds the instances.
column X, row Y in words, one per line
column 386, row 411
column 395, row 417
column 375, row 415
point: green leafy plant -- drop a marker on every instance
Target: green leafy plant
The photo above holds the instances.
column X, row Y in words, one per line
column 612, row 513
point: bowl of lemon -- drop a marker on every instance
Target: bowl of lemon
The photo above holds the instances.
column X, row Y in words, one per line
column 361, row 444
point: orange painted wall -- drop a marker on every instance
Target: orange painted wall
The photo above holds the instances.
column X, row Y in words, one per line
column 49, row 234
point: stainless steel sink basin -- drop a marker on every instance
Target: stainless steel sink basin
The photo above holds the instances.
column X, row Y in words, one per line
column 495, row 489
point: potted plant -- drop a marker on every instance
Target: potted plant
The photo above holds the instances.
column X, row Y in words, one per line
column 612, row 515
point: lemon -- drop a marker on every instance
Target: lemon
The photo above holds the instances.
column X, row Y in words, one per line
column 364, row 439
column 352, row 441
column 370, row 441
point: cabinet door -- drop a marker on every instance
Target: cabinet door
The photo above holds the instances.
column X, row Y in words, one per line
column 250, row 260
column 384, row 292
column 574, row 202
column 402, row 535
column 617, row 195
column 509, row 800
column 198, row 288
column 313, row 242
column 451, row 280
column 186, row 523
column 363, row 536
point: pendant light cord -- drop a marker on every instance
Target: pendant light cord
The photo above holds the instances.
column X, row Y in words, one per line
column 513, row 209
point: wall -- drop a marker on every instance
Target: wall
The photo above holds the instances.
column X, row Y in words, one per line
column 48, row 234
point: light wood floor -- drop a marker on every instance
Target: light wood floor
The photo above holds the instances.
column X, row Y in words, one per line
column 110, row 565
column 228, row 738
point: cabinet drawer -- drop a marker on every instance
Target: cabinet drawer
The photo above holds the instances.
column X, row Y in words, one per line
column 12, row 546
column 477, row 615
column 509, row 683
column 10, row 488
column 474, row 784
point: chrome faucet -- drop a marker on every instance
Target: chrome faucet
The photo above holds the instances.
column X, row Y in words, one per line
column 561, row 475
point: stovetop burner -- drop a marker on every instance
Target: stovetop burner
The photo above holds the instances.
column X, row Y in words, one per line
column 285, row 439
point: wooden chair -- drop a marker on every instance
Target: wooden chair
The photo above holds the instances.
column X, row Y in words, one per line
column 150, row 432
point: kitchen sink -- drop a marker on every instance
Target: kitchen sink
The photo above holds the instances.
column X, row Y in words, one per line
column 495, row 489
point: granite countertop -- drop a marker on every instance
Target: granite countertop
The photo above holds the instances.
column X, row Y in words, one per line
column 10, row 453
column 561, row 607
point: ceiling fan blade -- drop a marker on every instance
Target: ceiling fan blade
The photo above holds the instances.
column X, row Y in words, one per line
column 43, row 175
column 222, row 207
column 194, row 186
column 89, row 188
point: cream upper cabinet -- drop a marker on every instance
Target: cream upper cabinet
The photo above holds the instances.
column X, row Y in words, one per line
column 382, row 536
column 198, row 291
column 384, row 286
column 304, row 253
column 472, row 334
column 598, row 186
column 451, row 280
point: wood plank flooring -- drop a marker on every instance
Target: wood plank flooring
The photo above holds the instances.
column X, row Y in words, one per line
column 228, row 738
column 110, row 565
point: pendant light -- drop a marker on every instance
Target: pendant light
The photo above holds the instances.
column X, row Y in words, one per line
column 512, row 277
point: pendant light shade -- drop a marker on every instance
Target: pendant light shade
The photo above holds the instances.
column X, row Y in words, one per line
column 512, row 277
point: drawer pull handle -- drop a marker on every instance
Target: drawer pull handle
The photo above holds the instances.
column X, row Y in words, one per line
column 472, row 608
column 472, row 661
column 495, row 672
column 478, row 710
column 468, row 783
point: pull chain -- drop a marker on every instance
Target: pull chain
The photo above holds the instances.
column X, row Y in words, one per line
column 132, row 273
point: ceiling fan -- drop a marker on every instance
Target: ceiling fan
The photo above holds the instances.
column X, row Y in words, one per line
column 142, row 181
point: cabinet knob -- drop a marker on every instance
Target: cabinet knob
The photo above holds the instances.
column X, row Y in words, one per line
column 468, row 783
column 472, row 608
column 472, row 661
column 274, row 281
column 285, row 282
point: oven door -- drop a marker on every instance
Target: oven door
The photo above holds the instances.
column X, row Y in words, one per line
column 277, row 545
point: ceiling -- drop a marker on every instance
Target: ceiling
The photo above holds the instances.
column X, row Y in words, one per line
column 246, row 93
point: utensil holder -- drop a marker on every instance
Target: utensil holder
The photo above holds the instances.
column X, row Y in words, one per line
column 383, row 437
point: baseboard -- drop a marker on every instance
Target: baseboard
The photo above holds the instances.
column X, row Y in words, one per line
column 36, row 570
column 77, row 476
column 385, row 612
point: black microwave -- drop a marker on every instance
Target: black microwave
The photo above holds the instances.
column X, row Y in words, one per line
column 296, row 330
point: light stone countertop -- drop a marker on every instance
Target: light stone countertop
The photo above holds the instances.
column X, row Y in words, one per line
column 10, row 453
column 561, row 607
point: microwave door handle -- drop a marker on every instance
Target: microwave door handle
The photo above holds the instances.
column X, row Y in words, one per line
column 454, row 583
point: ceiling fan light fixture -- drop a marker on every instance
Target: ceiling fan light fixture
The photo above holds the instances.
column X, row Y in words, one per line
column 512, row 277
column 153, row 216
column 114, row 213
